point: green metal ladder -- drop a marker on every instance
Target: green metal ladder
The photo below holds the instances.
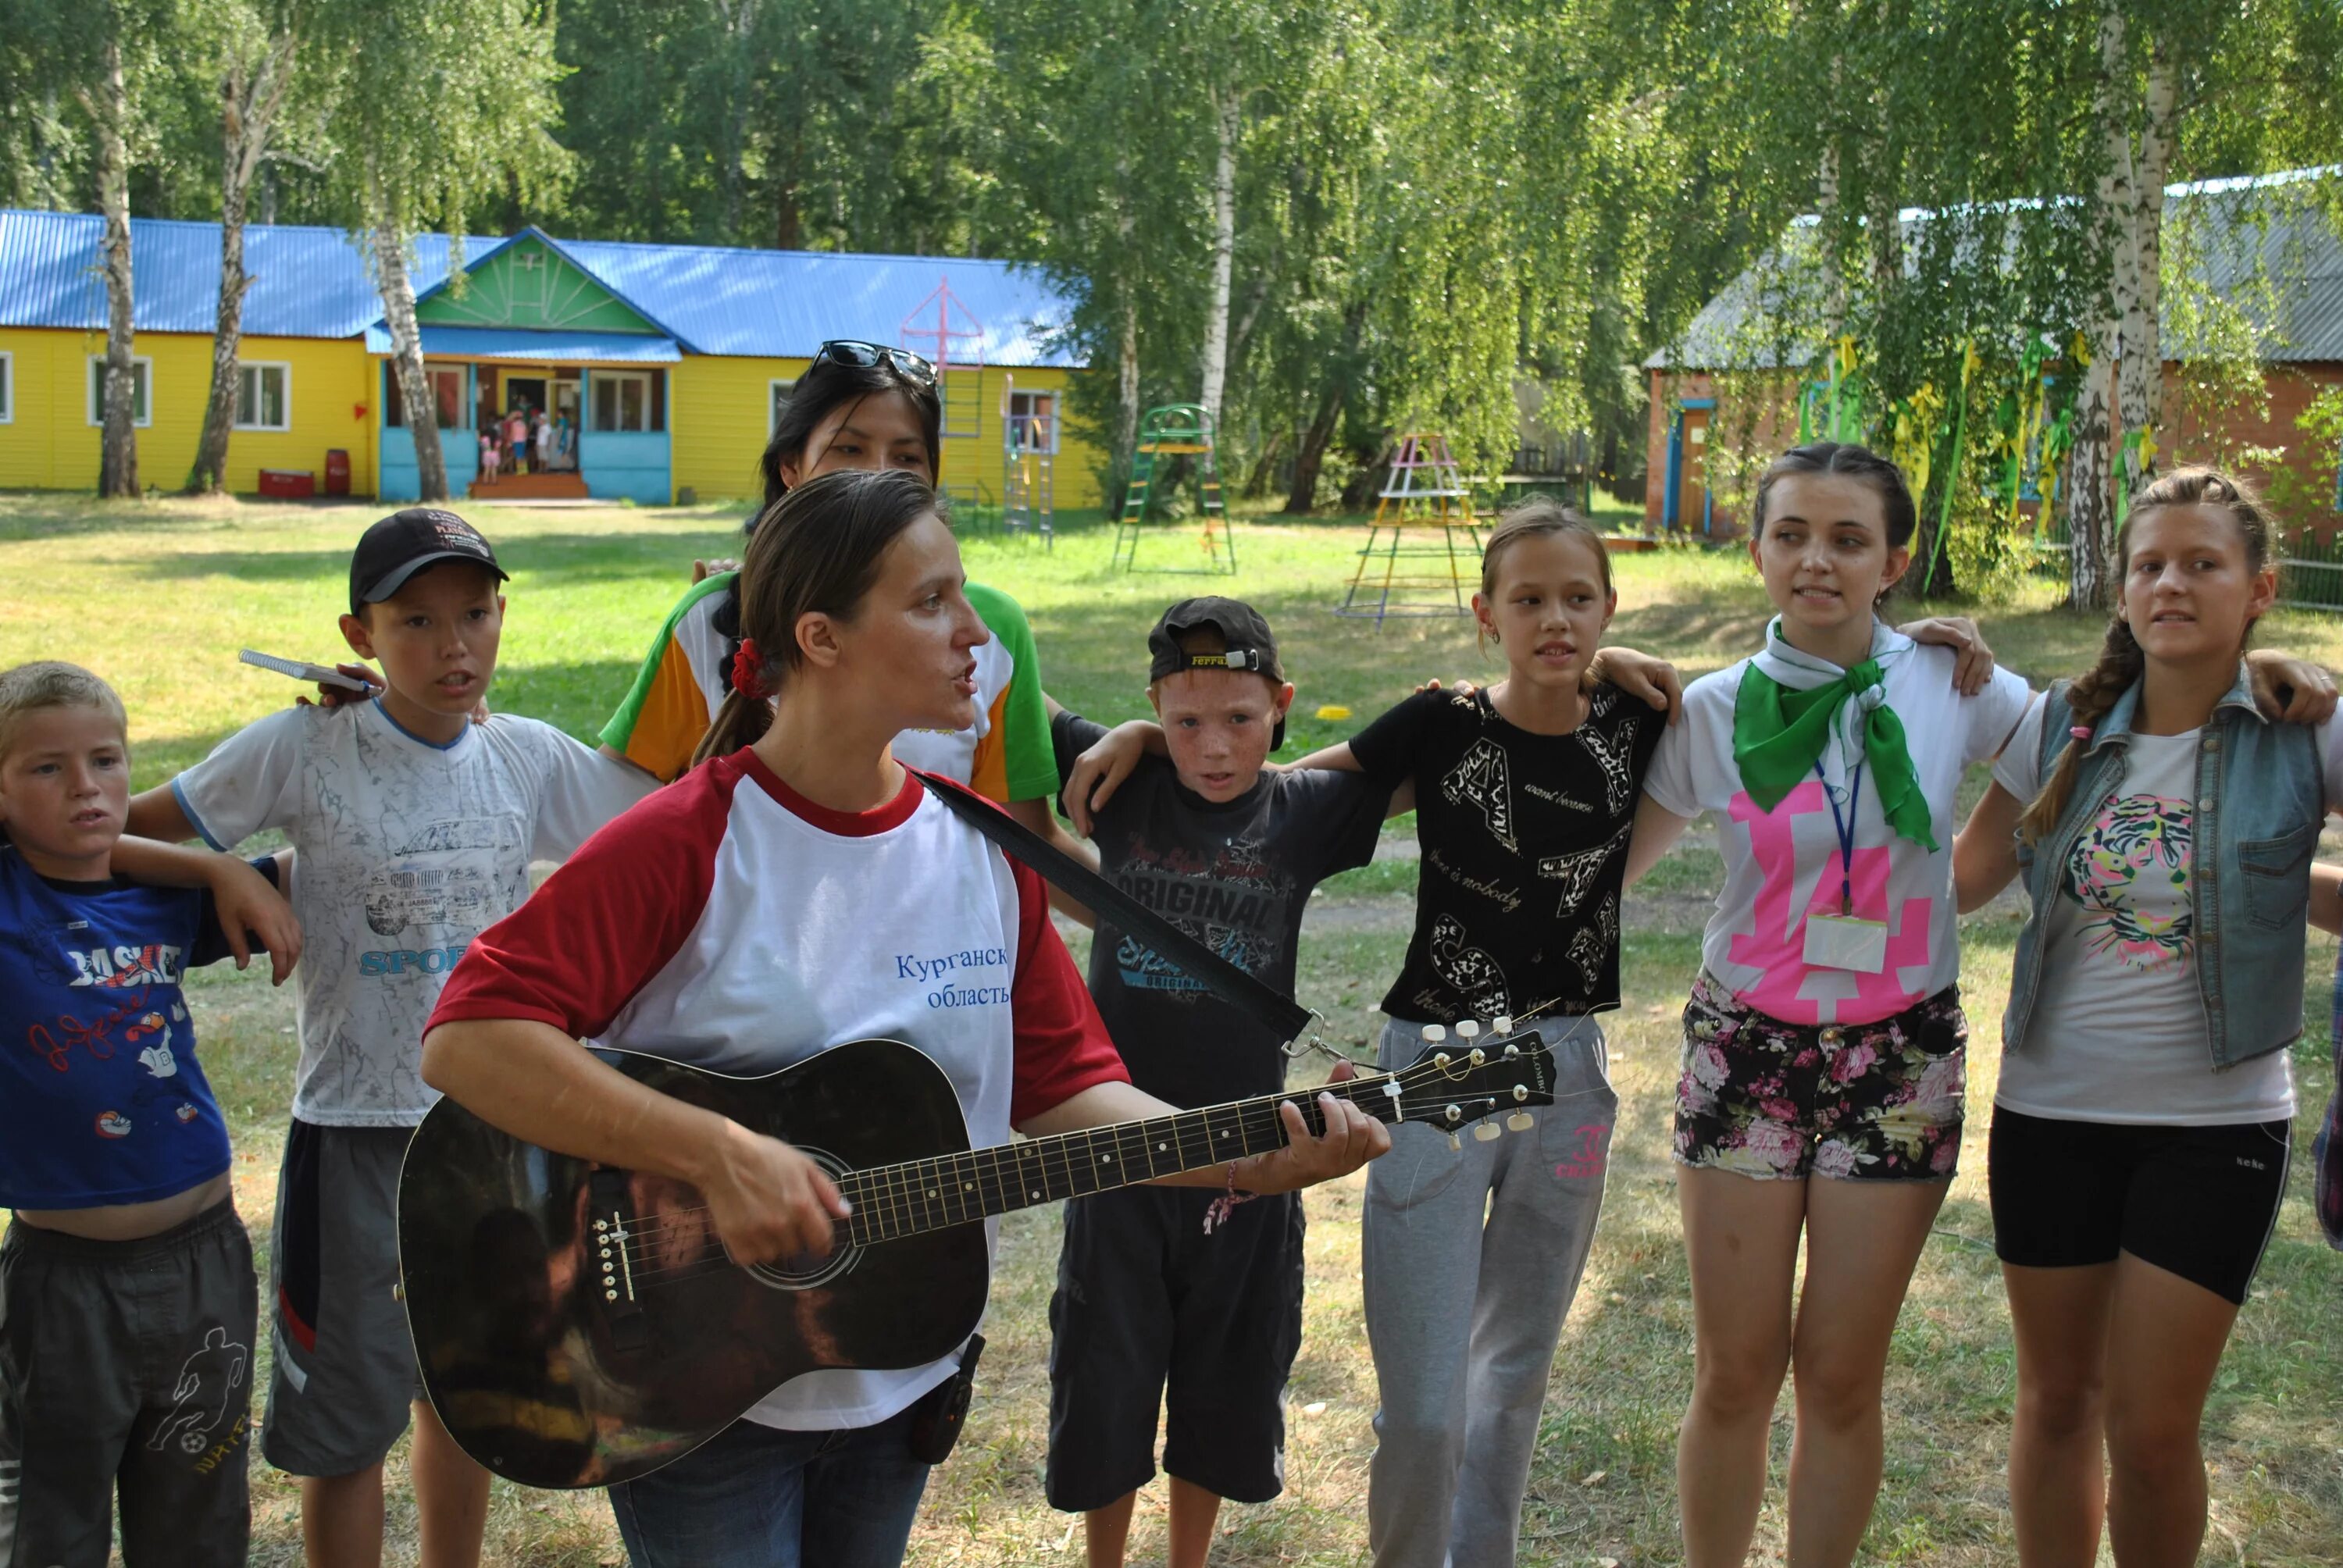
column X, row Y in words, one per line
column 1175, row 430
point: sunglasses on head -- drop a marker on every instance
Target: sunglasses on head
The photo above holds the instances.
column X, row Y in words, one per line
column 862, row 355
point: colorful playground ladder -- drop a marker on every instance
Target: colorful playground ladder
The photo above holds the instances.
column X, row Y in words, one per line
column 949, row 335
column 1423, row 491
column 1027, row 494
column 1175, row 430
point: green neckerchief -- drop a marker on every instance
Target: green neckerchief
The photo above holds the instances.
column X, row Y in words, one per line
column 1780, row 732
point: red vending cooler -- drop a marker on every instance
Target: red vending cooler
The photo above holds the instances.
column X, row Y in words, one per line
column 338, row 472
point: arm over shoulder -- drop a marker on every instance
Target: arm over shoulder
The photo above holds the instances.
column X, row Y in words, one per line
column 1692, row 769
column 1387, row 749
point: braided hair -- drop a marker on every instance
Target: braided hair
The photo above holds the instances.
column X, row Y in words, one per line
column 2121, row 661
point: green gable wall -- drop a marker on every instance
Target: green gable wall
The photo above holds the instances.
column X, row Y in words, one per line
column 528, row 285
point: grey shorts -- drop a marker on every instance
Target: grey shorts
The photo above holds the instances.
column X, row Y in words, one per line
column 126, row 1369
column 345, row 1376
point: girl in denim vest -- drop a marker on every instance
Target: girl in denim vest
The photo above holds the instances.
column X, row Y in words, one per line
column 2141, row 1132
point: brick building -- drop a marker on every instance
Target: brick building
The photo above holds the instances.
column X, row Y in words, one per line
column 2259, row 244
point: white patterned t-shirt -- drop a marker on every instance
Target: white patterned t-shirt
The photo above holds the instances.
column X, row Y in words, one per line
column 2118, row 1032
column 1784, row 864
column 405, row 850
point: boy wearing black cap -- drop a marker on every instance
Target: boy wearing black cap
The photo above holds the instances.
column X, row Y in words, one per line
column 1146, row 1292
column 414, row 829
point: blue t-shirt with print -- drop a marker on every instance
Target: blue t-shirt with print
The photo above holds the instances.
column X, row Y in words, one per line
column 102, row 1100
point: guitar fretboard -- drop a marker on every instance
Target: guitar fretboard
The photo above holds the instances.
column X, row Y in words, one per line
column 895, row 1200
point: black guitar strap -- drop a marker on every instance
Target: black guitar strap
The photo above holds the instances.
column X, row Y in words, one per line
column 1199, row 962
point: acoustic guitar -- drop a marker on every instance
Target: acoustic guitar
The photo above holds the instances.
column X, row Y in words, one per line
column 579, row 1325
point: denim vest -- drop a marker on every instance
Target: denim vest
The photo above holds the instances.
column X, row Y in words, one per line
column 2260, row 802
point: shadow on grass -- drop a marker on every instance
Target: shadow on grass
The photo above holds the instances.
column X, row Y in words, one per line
column 549, row 560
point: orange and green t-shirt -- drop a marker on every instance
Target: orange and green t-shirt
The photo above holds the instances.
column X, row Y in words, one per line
column 1005, row 754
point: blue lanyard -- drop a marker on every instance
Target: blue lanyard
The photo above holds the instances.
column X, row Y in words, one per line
column 1845, row 826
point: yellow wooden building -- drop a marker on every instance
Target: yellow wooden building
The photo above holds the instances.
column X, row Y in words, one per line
column 668, row 362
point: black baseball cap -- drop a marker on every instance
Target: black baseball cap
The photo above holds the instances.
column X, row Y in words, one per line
column 404, row 543
column 1245, row 640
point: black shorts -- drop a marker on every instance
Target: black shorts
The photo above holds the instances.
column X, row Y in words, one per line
column 125, row 1371
column 2196, row 1201
column 1146, row 1298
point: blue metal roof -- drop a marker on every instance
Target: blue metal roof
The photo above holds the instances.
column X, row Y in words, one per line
column 545, row 347
column 315, row 283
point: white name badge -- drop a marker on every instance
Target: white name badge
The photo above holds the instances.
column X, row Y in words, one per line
column 1845, row 942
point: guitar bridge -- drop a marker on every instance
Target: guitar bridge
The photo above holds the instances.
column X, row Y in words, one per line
column 613, row 1240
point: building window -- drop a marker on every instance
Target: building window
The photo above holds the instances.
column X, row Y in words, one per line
column 7, row 388
column 1033, row 421
column 264, row 396
column 446, row 383
column 781, row 391
column 142, row 374
column 628, row 402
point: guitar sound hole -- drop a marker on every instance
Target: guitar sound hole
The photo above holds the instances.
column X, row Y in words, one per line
column 803, row 1271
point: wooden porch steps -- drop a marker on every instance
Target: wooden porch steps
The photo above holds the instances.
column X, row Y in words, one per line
column 528, row 488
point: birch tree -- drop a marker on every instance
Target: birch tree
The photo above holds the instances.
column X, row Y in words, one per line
column 106, row 102
column 257, row 51
column 488, row 133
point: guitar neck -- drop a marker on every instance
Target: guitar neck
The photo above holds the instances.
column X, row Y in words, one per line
column 895, row 1200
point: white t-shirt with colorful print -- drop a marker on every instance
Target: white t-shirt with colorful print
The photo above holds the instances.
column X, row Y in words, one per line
column 2117, row 1031
column 1782, row 864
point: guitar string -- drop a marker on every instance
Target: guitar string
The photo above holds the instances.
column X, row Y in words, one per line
column 895, row 1198
column 663, row 1266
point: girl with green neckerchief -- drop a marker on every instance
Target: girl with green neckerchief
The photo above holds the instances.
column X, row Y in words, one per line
column 1824, row 1054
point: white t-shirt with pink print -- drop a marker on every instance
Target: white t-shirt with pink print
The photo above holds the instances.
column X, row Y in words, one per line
column 1781, row 865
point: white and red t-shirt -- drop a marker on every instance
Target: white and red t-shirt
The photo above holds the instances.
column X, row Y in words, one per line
column 729, row 923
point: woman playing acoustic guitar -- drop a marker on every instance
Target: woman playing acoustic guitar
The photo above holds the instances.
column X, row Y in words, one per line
column 799, row 888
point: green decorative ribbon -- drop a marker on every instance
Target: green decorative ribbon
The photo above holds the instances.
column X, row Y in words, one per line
column 1780, row 733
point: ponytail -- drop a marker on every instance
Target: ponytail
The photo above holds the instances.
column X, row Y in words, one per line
column 2088, row 700
column 741, row 721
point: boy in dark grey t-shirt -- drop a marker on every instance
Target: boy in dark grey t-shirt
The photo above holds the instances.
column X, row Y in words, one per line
column 1146, row 1294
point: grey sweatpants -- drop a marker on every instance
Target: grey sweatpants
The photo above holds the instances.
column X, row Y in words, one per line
column 1462, row 1313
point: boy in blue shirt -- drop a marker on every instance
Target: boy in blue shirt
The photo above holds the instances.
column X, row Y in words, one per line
column 126, row 1292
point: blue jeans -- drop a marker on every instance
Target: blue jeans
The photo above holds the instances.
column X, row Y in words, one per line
column 757, row 1497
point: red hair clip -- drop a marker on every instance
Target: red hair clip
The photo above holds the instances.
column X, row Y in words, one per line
column 748, row 671
column 2080, row 732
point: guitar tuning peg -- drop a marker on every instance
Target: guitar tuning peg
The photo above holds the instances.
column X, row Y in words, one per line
column 1520, row 1122
column 1470, row 1030
column 1484, row 1132
column 1433, row 1034
column 1503, row 1024
column 1456, row 1142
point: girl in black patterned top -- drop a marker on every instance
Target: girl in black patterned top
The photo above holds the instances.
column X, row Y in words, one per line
column 1523, row 796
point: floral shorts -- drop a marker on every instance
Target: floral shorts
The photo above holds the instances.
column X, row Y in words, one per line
column 1866, row 1102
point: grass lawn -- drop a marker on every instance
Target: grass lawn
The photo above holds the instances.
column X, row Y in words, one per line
column 158, row 598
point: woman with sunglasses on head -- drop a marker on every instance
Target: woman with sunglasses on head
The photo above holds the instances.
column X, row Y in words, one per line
column 859, row 406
